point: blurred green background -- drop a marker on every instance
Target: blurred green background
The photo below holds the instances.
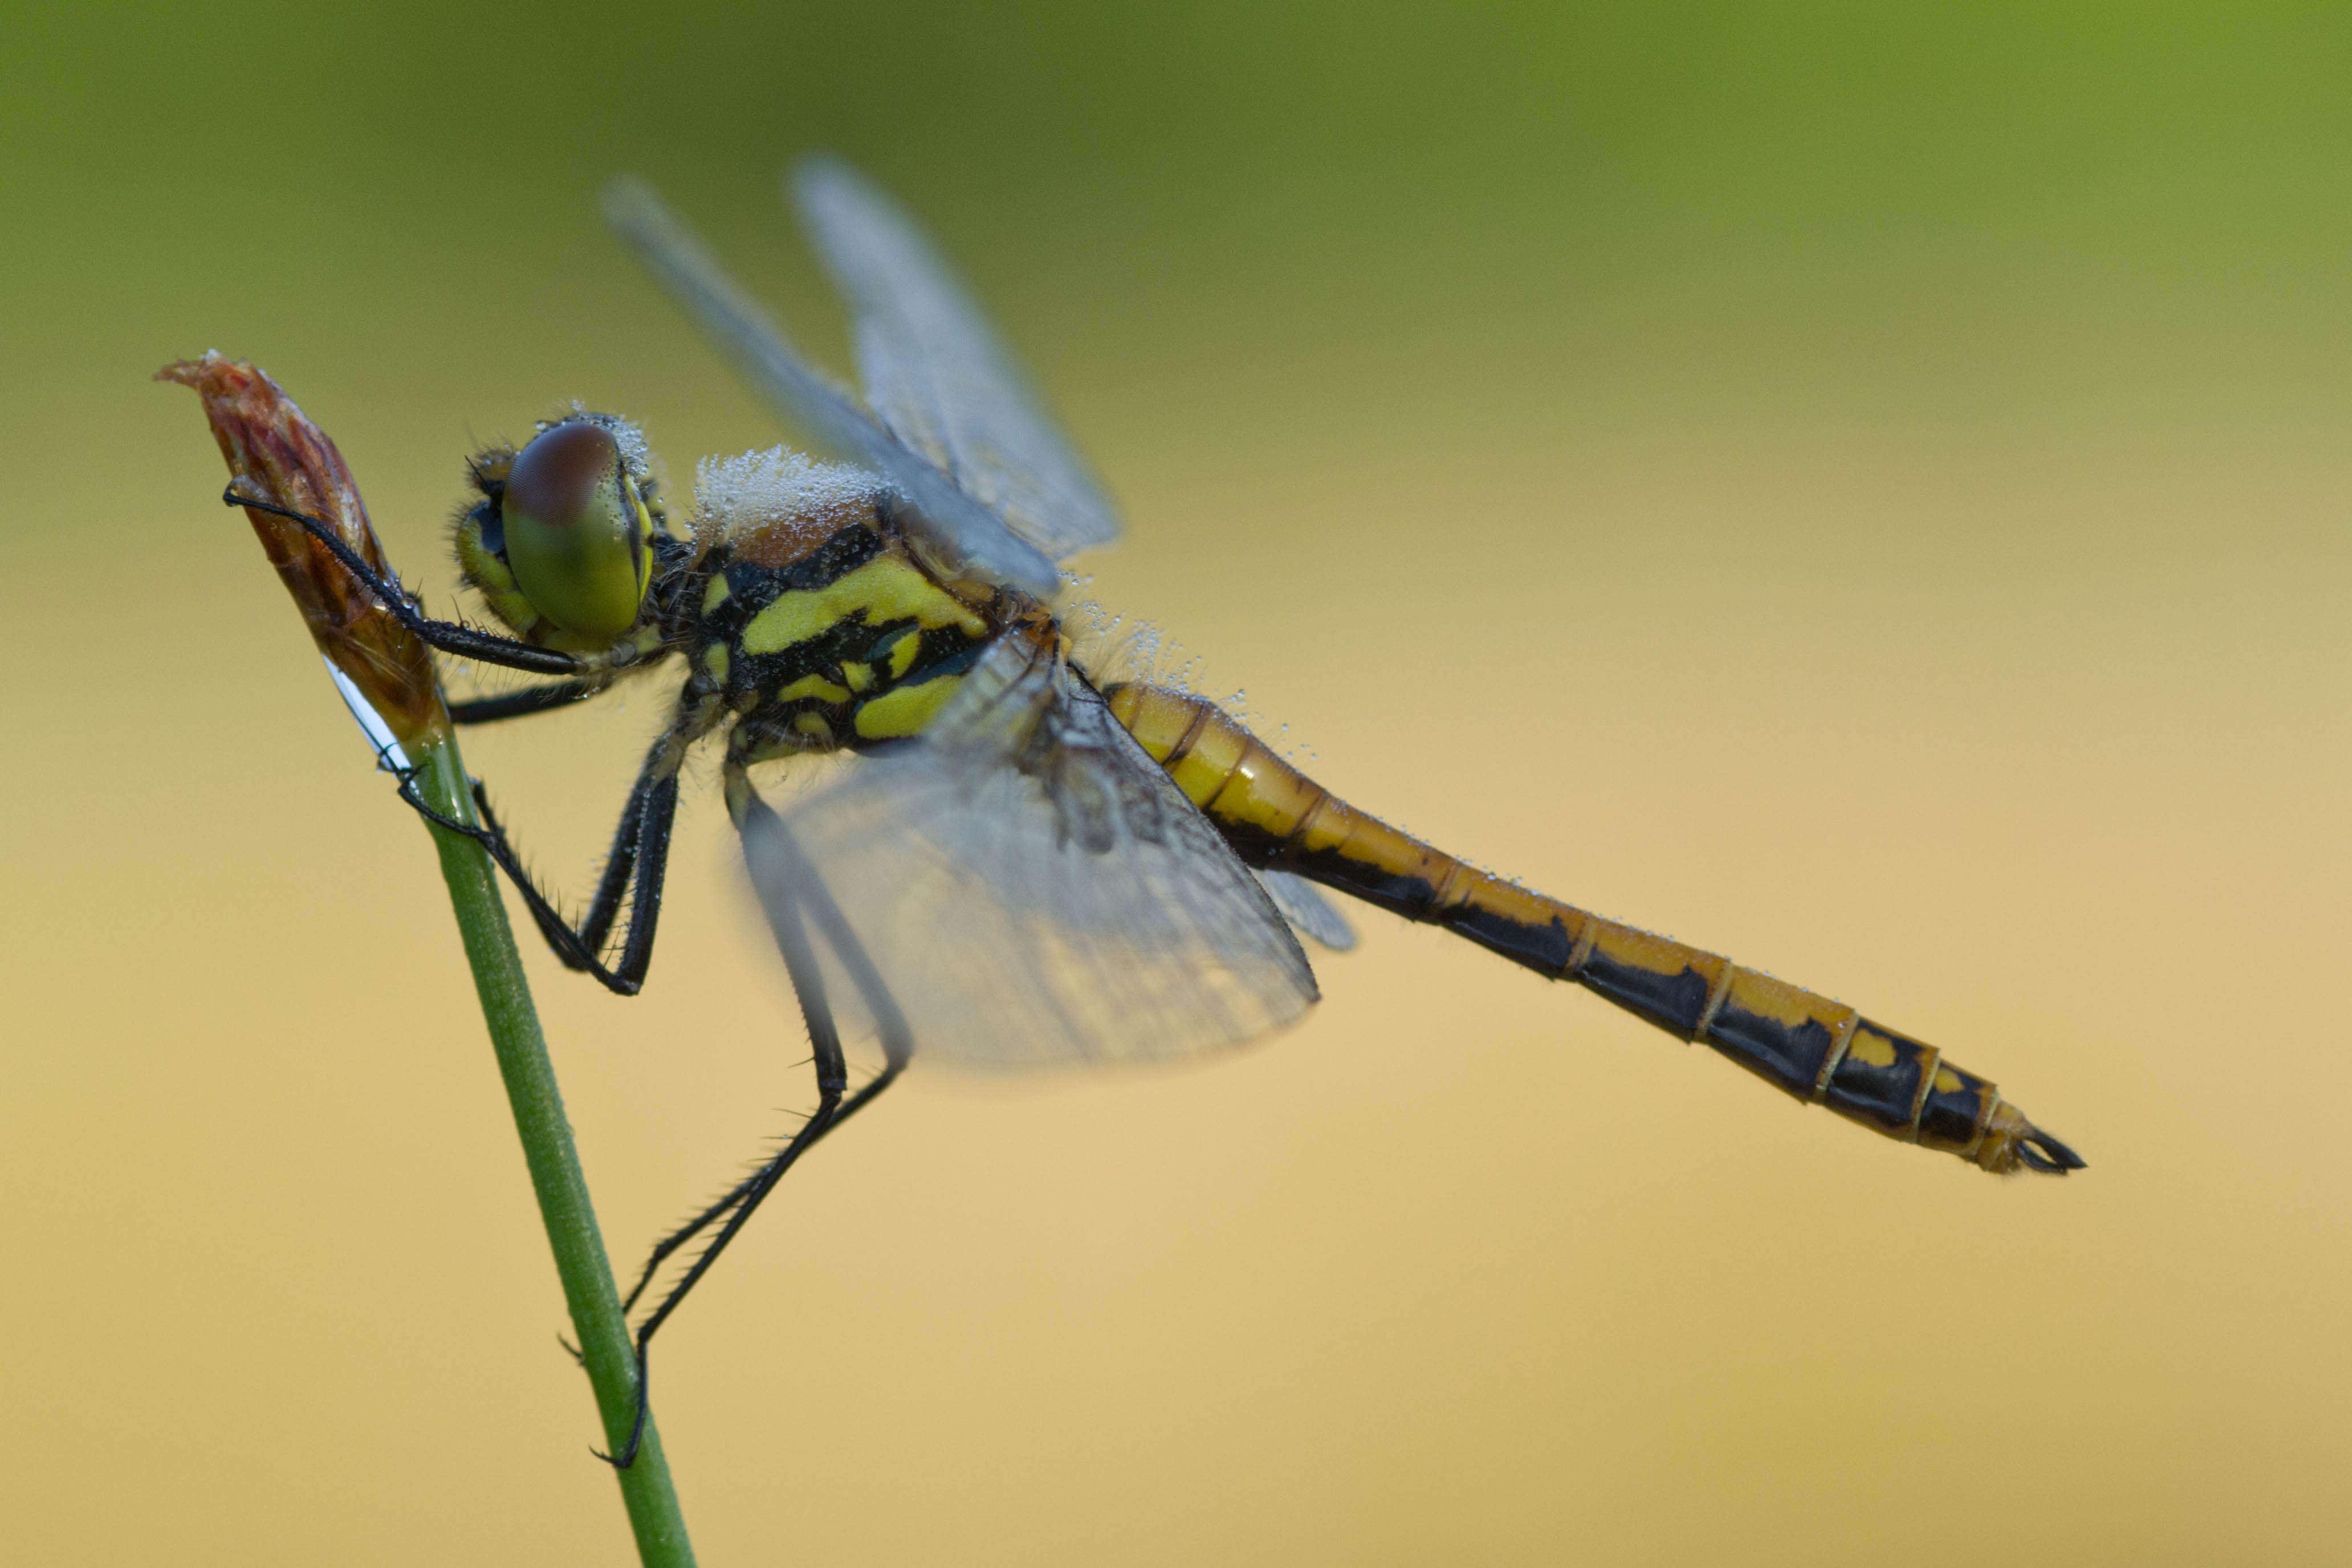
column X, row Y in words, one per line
column 1862, row 489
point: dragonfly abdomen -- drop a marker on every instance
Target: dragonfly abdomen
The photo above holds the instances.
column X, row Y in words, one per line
column 1809, row 1046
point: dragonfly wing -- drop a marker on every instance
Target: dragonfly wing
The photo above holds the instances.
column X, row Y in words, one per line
column 1304, row 905
column 938, row 374
column 966, row 529
column 1031, row 888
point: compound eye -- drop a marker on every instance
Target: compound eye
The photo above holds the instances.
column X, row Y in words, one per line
column 576, row 531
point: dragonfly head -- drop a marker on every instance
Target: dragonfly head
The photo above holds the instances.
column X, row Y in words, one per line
column 565, row 532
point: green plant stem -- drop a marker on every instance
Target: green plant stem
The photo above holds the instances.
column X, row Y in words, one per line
column 555, row 1175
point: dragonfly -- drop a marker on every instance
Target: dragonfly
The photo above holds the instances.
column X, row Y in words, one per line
column 1027, row 859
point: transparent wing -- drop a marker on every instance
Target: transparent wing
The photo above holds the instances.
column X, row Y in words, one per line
column 972, row 535
column 1031, row 888
column 1304, row 905
column 936, row 370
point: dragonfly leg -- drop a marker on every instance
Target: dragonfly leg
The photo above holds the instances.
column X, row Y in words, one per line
column 522, row 704
column 809, row 906
column 636, row 868
column 449, row 636
column 642, row 845
column 668, row 1245
column 832, row 1080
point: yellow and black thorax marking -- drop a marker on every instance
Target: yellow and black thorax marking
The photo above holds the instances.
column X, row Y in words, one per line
column 853, row 643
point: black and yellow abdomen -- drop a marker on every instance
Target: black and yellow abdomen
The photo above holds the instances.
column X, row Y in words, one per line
column 1813, row 1048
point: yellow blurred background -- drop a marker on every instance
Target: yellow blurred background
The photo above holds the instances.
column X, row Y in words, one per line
column 1860, row 488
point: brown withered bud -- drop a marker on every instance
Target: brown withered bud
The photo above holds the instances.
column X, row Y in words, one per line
column 276, row 455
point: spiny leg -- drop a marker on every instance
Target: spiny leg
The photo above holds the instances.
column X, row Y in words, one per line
column 449, row 636
column 523, row 704
column 896, row 1045
column 831, row 1079
column 640, row 844
column 653, row 803
column 810, row 903
column 639, row 858
column 668, row 1245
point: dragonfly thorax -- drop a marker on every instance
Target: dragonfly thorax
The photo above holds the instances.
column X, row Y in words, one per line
column 844, row 640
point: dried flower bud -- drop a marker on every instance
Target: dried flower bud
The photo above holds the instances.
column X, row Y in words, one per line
column 276, row 455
